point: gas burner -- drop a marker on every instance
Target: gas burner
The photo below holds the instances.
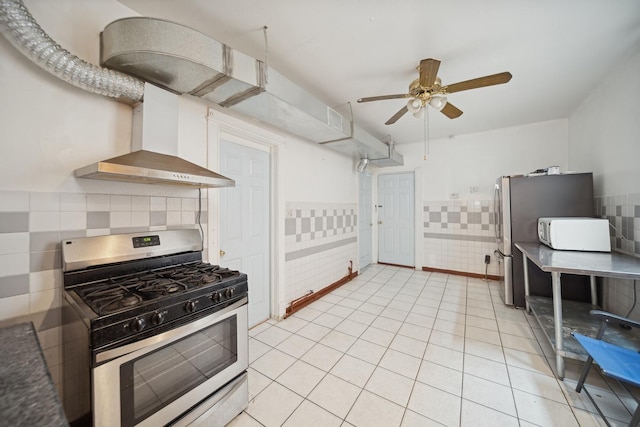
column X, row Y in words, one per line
column 130, row 300
column 180, row 272
column 203, row 279
column 108, row 299
column 120, row 293
column 220, row 272
column 161, row 286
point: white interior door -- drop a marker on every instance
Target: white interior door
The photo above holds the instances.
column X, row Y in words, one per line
column 244, row 222
column 364, row 220
column 396, row 219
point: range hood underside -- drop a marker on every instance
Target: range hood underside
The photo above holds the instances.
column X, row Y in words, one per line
column 142, row 166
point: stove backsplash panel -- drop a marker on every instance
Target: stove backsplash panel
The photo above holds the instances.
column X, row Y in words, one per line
column 32, row 225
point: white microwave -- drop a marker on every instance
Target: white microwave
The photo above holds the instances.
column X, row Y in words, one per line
column 575, row 233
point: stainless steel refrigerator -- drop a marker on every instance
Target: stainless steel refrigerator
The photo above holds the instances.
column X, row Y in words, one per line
column 518, row 202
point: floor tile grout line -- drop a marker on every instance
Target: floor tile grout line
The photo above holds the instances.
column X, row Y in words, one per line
column 398, row 291
column 504, row 356
column 324, row 376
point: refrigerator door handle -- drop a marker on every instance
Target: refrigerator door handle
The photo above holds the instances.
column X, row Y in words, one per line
column 496, row 212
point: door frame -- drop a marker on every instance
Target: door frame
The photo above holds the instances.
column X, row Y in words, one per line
column 361, row 211
column 418, row 217
column 222, row 126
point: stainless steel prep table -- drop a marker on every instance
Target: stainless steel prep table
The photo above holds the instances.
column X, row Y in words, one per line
column 559, row 318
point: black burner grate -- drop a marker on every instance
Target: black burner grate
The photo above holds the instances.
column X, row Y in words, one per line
column 120, row 293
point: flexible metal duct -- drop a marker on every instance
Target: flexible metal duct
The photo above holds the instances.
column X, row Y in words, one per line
column 24, row 33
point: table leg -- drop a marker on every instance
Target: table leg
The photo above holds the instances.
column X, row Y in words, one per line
column 525, row 266
column 594, row 291
column 557, row 322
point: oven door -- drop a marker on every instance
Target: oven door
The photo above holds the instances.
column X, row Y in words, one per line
column 153, row 381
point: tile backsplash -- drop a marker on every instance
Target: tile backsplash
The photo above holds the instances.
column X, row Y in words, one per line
column 458, row 234
column 32, row 225
column 320, row 242
column 623, row 213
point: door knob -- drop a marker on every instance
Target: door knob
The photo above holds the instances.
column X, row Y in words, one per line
column 222, row 253
column 379, row 222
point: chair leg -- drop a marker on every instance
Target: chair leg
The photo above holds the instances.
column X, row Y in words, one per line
column 585, row 372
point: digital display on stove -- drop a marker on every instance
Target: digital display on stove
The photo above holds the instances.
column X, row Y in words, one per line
column 144, row 241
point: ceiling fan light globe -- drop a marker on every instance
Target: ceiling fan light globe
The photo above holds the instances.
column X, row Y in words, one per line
column 414, row 105
column 438, row 102
column 418, row 114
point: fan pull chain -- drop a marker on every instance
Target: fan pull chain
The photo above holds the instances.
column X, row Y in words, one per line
column 426, row 133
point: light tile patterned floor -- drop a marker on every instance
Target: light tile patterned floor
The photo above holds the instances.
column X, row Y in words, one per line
column 398, row 347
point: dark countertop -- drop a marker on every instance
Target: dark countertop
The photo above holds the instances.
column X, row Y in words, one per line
column 27, row 394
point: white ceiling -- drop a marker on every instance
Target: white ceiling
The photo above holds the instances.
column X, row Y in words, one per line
column 342, row 50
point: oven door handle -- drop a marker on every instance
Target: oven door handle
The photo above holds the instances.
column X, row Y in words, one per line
column 162, row 338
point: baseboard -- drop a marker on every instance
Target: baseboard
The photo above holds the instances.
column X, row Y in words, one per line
column 308, row 299
column 461, row 273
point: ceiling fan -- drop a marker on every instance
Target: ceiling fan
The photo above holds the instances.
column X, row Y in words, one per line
column 428, row 90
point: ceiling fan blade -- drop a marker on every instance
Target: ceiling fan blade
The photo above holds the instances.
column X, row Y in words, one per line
column 451, row 111
column 382, row 97
column 397, row 115
column 428, row 72
column 494, row 79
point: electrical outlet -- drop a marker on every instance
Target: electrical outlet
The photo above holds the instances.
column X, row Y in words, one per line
column 487, row 259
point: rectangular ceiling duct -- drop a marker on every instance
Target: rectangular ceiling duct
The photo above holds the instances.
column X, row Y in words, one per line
column 183, row 60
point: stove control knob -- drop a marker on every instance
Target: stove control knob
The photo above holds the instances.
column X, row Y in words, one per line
column 228, row 293
column 137, row 324
column 216, row 297
column 190, row 306
column 157, row 318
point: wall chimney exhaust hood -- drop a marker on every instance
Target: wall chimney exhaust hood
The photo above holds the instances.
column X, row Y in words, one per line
column 154, row 144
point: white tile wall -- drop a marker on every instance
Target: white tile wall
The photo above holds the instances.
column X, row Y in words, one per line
column 44, row 221
column 14, row 306
column 14, row 264
column 73, row 202
column 328, row 257
column 14, row 243
column 459, row 245
column 98, row 203
column 623, row 213
column 14, row 201
column 51, row 216
column 140, row 204
column 44, row 202
column 158, row 203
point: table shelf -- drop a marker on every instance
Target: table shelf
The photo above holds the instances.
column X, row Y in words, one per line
column 576, row 318
column 558, row 317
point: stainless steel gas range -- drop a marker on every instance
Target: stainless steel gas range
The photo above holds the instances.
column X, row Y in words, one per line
column 153, row 333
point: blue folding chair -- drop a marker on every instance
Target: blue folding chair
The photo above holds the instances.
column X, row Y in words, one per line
column 616, row 362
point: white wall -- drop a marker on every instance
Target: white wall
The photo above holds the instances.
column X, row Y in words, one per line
column 604, row 137
column 605, row 131
column 454, row 165
column 50, row 128
column 313, row 173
